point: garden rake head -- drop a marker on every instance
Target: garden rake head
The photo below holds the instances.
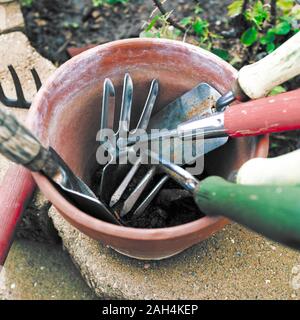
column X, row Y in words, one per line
column 20, row 102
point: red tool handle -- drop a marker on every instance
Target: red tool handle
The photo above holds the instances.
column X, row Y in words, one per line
column 16, row 191
column 266, row 115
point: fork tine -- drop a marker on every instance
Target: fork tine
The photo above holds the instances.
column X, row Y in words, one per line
column 143, row 206
column 122, row 187
column 36, row 78
column 108, row 109
column 142, row 124
column 137, row 192
column 126, row 106
column 20, row 102
column 150, row 102
column 3, row 97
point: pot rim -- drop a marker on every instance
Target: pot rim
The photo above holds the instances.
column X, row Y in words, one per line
column 39, row 98
column 72, row 213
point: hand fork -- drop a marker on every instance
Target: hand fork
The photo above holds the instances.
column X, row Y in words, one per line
column 113, row 172
column 20, row 102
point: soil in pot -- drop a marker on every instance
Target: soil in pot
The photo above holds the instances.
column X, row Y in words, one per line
column 173, row 205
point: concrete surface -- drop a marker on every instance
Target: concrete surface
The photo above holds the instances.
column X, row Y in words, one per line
column 39, row 271
column 233, row 264
column 15, row 49
column 11, row 17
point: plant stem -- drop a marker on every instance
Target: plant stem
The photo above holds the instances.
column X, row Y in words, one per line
column 174, row 23
column 273, row 12
column 245, row 5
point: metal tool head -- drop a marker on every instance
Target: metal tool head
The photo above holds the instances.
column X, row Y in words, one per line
column 78, row 192
column 196, row 104
column 20, row 102
column 114, row 172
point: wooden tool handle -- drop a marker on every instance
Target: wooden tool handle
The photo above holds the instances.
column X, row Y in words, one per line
column 16, row 191
column 19, row 145
column 270, row 210
column 282, row 170
column 266, row 115
column 258, row 79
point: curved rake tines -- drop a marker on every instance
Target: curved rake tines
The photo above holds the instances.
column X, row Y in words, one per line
column 20, row 102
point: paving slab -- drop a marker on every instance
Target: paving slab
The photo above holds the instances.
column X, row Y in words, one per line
column 11, row 17
column 35, row 271
column 15, row 49
column 233, row 264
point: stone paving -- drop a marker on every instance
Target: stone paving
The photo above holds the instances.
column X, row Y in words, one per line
column 11, row 18
column 233, row 264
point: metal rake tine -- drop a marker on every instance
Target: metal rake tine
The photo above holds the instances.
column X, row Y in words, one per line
column 148, row 108
column 36, row 78
column 21, row 101
column 126, row 106
column 3, row 98
column 122, row 187
column 144, row 205
column 142, row 124
column 137, row 192
column 107, row 116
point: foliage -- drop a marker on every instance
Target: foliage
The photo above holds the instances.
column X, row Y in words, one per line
column 26, row 3
column 260, row 30
column 98, row 3
column 159, row 27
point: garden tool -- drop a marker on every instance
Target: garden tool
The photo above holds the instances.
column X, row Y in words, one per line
column 20, row 102
column 281, row 170
column 258, row 79
column 265, row 115
column 193, row 105
column 270, row 210
column 20, row 146
column 112, row 173
column 276, row 68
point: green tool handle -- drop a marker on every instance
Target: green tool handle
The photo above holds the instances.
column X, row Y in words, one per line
column 273, row 211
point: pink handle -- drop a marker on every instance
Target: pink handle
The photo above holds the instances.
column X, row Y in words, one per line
column 266, row 115
column 16, row 191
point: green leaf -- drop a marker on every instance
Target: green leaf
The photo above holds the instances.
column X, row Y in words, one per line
column 235, row 8
column 258, row 14
column 277, row 90
column 271, row 47
column 282, row 28
column 186, row 21
column 152, row 23
column 268, row 38
column 221, row 53
column 296, row 12
column 198, row 9
column 200, row 26
column 249, row 36
column 285, row 5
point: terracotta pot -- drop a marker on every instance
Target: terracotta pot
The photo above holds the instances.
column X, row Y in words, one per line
column 69, row 106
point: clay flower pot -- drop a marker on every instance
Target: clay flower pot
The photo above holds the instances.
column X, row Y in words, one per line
column 67, row 117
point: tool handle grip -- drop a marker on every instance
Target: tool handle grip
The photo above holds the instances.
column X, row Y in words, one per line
column 257, row 79
column 19, row 145
column 272, row 211
column 16, row 191
column 266, row 115
column 282, row 170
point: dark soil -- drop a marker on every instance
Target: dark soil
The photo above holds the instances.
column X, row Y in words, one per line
column 53, row 26
column 171, row 207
